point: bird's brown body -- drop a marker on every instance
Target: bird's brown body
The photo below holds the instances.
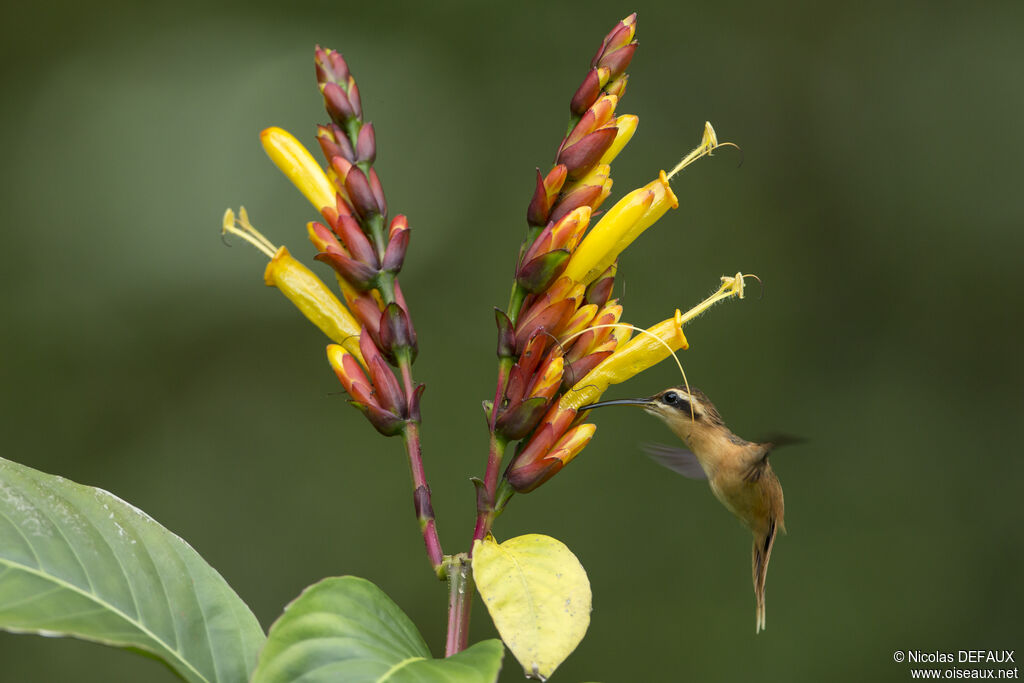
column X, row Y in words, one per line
column 737, row 470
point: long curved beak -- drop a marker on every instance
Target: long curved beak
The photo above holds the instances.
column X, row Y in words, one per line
column 618, row 402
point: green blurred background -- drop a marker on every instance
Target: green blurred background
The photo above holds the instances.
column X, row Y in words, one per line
column 880, row 200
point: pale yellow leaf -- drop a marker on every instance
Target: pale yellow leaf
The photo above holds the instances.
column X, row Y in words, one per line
column 538, row 595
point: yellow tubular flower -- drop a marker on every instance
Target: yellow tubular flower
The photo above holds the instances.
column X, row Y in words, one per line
column 299, row 166
column 297, row 282
column 638, row 354
column 617, row 229
column 311, row 296
column 626, row 124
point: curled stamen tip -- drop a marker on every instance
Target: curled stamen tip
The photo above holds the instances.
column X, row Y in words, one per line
column 759, row 284
column 737, row 284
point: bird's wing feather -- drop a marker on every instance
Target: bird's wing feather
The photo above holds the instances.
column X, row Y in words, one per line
column 676, row 459
column 778, row 440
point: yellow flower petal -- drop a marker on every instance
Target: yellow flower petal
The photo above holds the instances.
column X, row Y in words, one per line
column 626, row 124
column 617, row 229
column 569, row 446
column 299, row 166
column 311, row 296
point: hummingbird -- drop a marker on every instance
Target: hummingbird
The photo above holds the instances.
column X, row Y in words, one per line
column 738, row 470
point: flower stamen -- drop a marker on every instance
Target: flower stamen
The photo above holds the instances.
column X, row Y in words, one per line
column 731, row 286
column 708, row 144
column 241, row 227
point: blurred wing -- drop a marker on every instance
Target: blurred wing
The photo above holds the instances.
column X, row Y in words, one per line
column 780, row 440
column 676, row 459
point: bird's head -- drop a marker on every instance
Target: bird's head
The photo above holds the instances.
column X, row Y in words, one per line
column 687, row 412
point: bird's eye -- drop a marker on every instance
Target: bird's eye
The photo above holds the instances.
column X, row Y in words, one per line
column 670, row 398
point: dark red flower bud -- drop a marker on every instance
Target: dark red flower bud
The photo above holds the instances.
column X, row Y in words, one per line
column 384, row 421
column 537, row 211
column 337, row 104
column 396, row 333
column 322, row 238
column 378, row 193
column 586, row 94
column 367, row 311
column 352, row 236
column 538, row 274
column 618, row 38
column 582, row 156
column 552, row 445
column 618, row 61
column 353, row 97
column 394, row 254
column 366, row 144
column 544, row 195
column 519, row 420
column 600, row 290
column 330, row 66
column 624, row 32
column 399, row 222
column 523, row 371
column 506, row 335
column 334, row 143
column 400, row 300
column 549, row 320
column 358, row 274
column 577, row 370
column 387, row 391
column 360, row 194
column 582, row 196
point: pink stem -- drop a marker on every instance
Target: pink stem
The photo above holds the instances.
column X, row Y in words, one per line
column 460, row 601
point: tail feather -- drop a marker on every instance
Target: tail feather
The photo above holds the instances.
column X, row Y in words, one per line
column 761, row 554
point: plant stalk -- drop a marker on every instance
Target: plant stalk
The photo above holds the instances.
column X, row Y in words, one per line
column 421, row 498
column 485, row 513
column 460, row 601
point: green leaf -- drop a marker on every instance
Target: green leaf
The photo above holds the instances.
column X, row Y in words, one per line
column 538, row 595
column 78, row 561
column 346, row 629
